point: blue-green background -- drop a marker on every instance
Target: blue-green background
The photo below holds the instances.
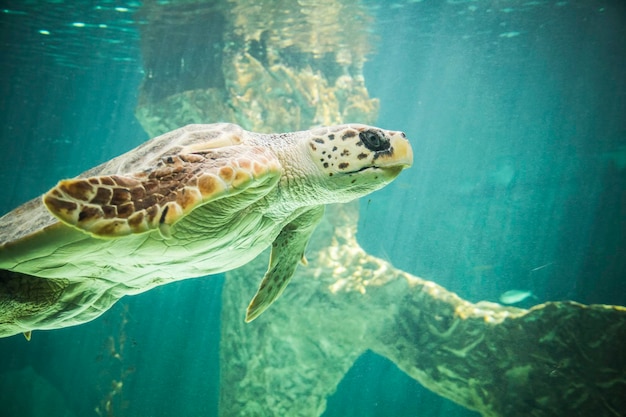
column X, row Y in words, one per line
column 517, row 115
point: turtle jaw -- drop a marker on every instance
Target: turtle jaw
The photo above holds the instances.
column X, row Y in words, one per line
column 389, row 172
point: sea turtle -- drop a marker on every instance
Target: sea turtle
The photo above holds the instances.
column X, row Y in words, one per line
column 199, row 200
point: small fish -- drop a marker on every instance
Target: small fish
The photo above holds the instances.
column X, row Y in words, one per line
column 541, row 267
column 515, row 296
column 509, row 34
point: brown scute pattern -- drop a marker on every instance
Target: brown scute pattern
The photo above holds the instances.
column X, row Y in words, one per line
column 241, row 179
column 81, row 190
column 208, row 185
column 109, row 206
column 120, row 196
column 103, row 181
column 89, row 213
column 120, row 181
column 245, row 164
column 137, row 193
column 227, row 173
column 257, row 169
column 136, row 219
column 109, row 212
column 103, row 195
column 188, row 197
column 113, row 228
column 125, row 210
column 62, row 205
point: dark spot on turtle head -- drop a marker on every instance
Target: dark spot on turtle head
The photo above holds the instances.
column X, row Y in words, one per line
column 325, row 164
column 362, row 155
column 319, row 140
column 344, row 165
column 331, row 137
column 349, row 134
column 345, row 152
column 313, row 146
column 334, row 148
column 169, row 160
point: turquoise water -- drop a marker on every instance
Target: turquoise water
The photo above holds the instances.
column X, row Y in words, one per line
column 515, row 110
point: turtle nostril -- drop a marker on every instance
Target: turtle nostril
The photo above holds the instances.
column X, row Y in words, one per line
column 374, row 141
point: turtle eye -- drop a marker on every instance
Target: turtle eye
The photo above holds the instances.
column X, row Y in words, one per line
column 374, row 141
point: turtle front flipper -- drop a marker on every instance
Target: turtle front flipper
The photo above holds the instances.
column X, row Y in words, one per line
column 287, row 250
column 113, row 205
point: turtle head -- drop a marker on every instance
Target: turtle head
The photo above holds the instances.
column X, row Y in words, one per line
column 354, row 159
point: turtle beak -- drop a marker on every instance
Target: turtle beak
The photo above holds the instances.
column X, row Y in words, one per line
column 399, row 155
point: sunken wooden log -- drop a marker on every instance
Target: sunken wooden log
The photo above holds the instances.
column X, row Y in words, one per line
column 557, row 358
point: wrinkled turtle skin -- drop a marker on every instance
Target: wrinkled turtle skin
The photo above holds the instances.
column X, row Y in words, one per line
column 199, row 200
